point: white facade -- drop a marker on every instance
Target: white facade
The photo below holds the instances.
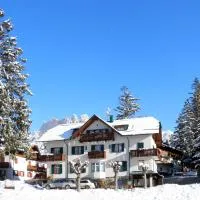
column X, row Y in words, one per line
column 122, row 143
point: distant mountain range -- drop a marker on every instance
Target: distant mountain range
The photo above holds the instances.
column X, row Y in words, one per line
column 34, row 136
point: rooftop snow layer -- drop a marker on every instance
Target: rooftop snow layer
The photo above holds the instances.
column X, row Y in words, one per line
column 139, row 125
column 136, row 126
column 60, row 132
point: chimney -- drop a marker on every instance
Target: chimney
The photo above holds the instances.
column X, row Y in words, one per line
column 111, row 119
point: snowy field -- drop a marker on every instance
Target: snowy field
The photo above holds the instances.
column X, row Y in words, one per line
column 166, row 192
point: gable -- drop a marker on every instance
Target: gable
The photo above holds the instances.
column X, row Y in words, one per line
column 95, row 129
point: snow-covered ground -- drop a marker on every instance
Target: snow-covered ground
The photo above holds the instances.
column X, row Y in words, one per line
column 165, row 192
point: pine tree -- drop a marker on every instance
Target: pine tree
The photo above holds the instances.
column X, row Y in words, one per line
column 187, row 131
column 196, row 103
column 183, row 138
column 127, row 104
column 196, row 106
column 14, row 111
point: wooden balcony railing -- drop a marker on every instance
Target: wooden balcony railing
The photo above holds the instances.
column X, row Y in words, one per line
column 144, row 152
column 46, row 158
column 33, row 157
column 36, row 168
column 4, row 164
column 89, row 137
column 96, row 154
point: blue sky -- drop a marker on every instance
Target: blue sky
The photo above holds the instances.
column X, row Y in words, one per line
column 81, row 52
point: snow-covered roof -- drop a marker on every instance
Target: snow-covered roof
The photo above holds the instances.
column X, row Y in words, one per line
column 135, row 126
column 60, row 132
column 138, row 125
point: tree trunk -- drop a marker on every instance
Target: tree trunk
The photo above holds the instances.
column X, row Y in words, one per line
column 116, row 181
column 78, row 179
column 145, row 180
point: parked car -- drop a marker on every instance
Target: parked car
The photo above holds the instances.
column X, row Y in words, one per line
column 87, row 184
column 60, row 183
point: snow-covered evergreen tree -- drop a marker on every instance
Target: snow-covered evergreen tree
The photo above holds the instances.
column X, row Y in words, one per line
column 187, row 131
column 196, row 103
column 14, row 111
column 127, row 104
column 183, row 138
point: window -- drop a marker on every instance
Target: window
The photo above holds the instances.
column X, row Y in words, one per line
column 116, row 147
column 29, row 174
column 140, row 145
column 20, row 173
column 121, row 127
column 96, row 131
column 102, row 167
column 84, row 181
column 98, row 167
column 77, row 150
column 123, row 167
column 56, row 169
column 57, row 150
column 99, row 147
column 15, row 172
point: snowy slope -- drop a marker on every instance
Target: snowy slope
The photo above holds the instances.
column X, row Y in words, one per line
column 164, row 192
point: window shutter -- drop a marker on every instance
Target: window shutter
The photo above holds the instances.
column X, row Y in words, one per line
column 52, row 169
column 60, row 169
column 52, row 150
column 122, row 146
column 61, row 150
column 93, row 147
column 102, row 147
column 113, row 147
column 83, row 170
column 82, row 149
column 124, row 165
column 73, row 150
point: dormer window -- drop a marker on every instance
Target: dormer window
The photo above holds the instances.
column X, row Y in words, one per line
column 123, row 127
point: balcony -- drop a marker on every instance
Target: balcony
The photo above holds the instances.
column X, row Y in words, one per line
column 36, row 168
column 97, row 136
column 96, row 154
column 46, row 158
column 144, row 152
column 4, row 164
column 33, row 157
